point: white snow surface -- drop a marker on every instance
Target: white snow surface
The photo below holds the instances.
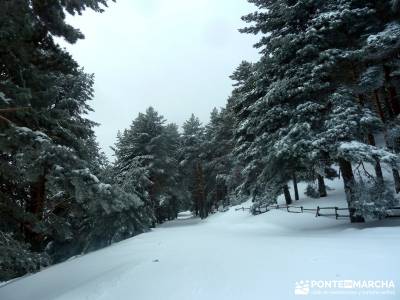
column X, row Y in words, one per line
column 231, row 255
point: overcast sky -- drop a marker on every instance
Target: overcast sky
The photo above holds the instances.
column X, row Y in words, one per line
column 174, row 55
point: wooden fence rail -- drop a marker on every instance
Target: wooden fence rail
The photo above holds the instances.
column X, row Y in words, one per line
column 334, row 210
column 242, row 208
column 336, row 214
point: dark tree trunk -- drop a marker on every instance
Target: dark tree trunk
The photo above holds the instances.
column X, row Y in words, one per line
column 348, row 181
column 395, row 106
column 378, row 168
column 394, row 102
column 395, row 172
column 296, row 190
column 321, row 187
column 201, row 199
column 35, row 206
column 388, row 105
column 286, row 192
column 195, row 202
column 379, row 106
column 396, row 178
column 153, row 200
column 37, row 199
column 371, row 138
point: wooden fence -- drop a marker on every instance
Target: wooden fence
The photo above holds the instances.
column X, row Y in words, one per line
column 397, row 208
column 328, row 211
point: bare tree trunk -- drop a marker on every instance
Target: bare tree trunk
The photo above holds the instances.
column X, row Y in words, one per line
column 348, row 181
column 396, row 178
column 378, row 168
column 296, row 190
column 286, row 192
column 321, row 187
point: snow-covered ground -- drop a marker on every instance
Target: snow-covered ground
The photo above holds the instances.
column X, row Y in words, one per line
column 231, row 255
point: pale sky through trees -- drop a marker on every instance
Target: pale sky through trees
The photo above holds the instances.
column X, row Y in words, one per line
column 175, row 55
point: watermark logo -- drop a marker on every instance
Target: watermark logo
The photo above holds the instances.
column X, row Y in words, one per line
column 302, row 288
column 344, row 287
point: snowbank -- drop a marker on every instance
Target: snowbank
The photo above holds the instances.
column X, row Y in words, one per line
column 230, row 255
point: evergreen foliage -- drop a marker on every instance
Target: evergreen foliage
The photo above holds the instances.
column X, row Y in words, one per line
column 307, row 103
column 147, row 165
column 52, row 205
column 324, row 89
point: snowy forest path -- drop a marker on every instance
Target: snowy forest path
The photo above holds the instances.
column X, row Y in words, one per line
column 230, row 255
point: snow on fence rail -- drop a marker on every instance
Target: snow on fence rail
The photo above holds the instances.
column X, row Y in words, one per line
column 336, row 214
column 393, row 215
column 329, row 211
column 242, row 208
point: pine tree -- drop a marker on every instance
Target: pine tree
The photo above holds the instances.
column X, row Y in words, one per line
column 192, row 163
column 305, row 75
column 245, row 93
column 173, row 192
column 147, row 164
column 218, row 146
column 51, row 202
